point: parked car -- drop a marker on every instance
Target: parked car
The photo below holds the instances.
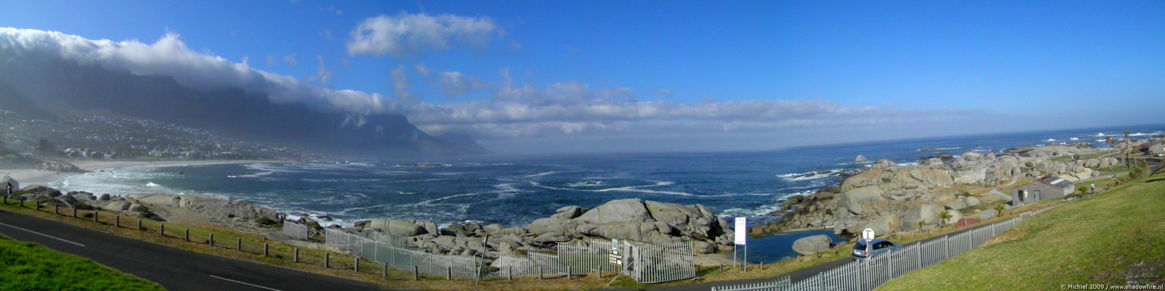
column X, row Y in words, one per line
column 870, row 249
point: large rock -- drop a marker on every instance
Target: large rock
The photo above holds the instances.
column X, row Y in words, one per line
column 625, row 210
column 989, row 214
column 861, row 159
column 954, row 217
column 688, row 220
column 396, row 227
column 858, row 199
column 927, row 213
column 971, row 201
column 956, row 204
column 569, row 212
column 883, row 224
column 932, row 162
column 812, row 244
column 884, row 164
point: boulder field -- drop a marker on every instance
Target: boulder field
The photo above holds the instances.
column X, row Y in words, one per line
column 888, row 197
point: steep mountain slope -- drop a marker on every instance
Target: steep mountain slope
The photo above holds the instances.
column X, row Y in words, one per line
column 54, row 84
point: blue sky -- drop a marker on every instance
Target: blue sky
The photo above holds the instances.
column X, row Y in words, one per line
column 852, row 71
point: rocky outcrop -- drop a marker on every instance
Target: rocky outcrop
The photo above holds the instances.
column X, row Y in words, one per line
column 812, row 244
column 396, row 227
column 58, row 166
column 927, row 214
column 861, row 159
column 884, row 164
column 988, row 214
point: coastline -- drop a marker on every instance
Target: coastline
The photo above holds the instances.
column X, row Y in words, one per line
column 34, row 176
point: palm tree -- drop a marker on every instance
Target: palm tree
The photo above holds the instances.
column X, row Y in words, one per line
column 944, row 216
column 1108, row 141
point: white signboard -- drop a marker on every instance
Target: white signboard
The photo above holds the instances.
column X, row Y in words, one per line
column 740, row 229
column 868, row 234
column 615, row 258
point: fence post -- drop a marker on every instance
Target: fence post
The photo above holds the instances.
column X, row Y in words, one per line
column 449, row 273
column 509, row 273
column 117, row 220
column 327, row 259
column 356, row 265
column 97, row 216
column 265, row 249
column 139, row 224
column 539, row 273
column 239, row 244
column 947, row 246
column 210, row 240
column 416, row 275
column 187, row 236
column 384, row 271
column 74, row 212
column 162, row 229
column 295, row 257
column 568, row 272
column 56, row 209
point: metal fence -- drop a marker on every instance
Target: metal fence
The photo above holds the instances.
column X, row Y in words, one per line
column 655, row 264
column 644, row 263
column 295, row 230
column 400, row 258
column 870, row 273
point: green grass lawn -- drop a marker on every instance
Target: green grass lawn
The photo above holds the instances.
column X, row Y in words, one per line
column 1104, row 239
column 28, row 266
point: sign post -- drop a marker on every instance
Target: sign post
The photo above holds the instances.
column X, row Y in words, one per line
column 868, row 235
column 616, row 259
column 741, row 240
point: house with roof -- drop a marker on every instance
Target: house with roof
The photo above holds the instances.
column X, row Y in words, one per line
column 1047, row 187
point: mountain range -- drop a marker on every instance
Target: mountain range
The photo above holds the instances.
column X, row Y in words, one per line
column 41, row 83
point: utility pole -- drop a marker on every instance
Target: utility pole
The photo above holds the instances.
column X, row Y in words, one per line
column 1127, row 142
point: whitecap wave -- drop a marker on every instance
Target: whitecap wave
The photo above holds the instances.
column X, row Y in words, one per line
column 762, row 210
column 542, row 174
column 811, row 175
column 636, row 189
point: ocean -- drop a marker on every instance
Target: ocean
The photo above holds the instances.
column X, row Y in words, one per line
column 515, row 190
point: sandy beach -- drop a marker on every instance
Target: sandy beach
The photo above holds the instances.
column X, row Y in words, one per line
column 33, row 176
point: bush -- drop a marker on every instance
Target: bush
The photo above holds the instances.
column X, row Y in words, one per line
column 264, row 221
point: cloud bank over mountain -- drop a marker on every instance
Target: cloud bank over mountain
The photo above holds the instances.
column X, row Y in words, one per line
column 510, row 112
column 171, row 57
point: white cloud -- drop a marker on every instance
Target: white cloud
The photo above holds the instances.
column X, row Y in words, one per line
column 573, row 108
column 401, row 86
column 416, row 34
column 170, row 56
column 290, row 60
column 665, row 92
column 323, row 74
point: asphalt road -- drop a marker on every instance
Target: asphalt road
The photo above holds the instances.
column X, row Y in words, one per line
column 172, row 268
column 794, row 276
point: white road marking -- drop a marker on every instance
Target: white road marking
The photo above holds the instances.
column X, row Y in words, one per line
column 244, row 283
column 49, row 236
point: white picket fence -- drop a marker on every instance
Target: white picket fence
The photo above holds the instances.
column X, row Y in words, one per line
column 870, row 273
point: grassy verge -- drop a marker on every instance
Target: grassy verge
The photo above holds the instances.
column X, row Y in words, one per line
column 227, row 243
column 1106, row 239
column 28, row 266
column 841, row 251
